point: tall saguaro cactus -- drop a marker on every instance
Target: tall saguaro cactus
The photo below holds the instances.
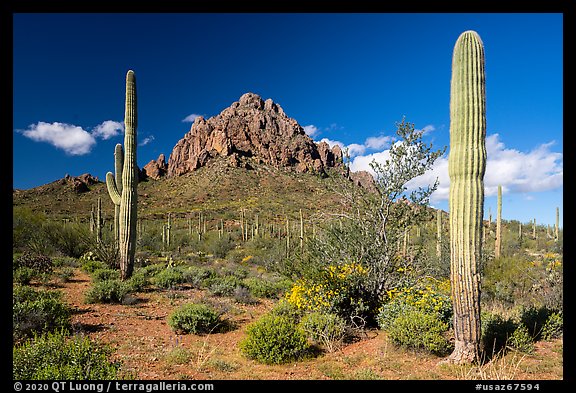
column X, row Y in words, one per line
column 127, row 199
column 498, row 242
column 557, row 227
column 466, row 167
column 439, row 233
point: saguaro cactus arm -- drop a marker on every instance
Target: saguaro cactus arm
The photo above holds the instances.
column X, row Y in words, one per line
column 112, row 189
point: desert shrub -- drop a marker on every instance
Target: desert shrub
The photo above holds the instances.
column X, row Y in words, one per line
column 198, row 276
column 553, row 326
column 218, row 247
column 37, row 311
column 263, row 288
column 53, row 356
column 521, row 339
column 223, row 285
column 495, row 332
column 420, row 330
column 25, row 224
column 337, row 289
column 107, row 291
column 239, row 272
column 429, row 296
column 327, row 330
column 169, row 278
column 151, row 270
column 243, row 296
column 105, row 274
column 23, row 275
column 68, row 238
column 65, row 274
column 194, row 318
column 90, row 265
column 286, row 309
column 534, row 319
column 37, row 262
column 137, row 282
column 275, row 339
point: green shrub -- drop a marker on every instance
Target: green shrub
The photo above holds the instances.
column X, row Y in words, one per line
column 419, row 330
column 275, row 339
column 521, row 339
column 495, row 332
column 534, row 319
column 23, row 275
column 553, row 326
column 224, row 285
column 65, row 274
column 169, row 278
column 89, row 266
column 194, row 318
column 198, row 277
column 390, row 311
column 108, row 291
column 286, row 309
column 243, row 296
column 54, row 357
column 151, row 270
column 327, row 330
column 37, row 311
column 137, row 282
column 105, row 274
column 262, row 288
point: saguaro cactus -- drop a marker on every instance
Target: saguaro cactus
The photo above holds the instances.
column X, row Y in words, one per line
column 498, row 242
column 128, row 198
column 439, row 233
column 466, row 167
column 557, row 228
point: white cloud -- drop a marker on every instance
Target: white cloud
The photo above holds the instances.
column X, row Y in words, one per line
column 517, row 172
column 311, row 130
column 72, row 139
column 378, row 142
column 108, row 129
column 428, row 129
column 146, row 140
column 355, row 149
column 190, row 118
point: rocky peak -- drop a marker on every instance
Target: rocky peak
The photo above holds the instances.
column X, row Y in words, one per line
column 251, row 128
column 80, row 183
column 155, row 169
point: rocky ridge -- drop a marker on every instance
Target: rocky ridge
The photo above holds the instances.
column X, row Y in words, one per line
column 250, row 128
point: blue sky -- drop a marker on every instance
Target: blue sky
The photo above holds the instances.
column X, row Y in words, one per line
column 346, row 78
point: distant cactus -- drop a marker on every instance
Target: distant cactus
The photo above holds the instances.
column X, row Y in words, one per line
column 127, row 199
column 99, row 220
column 557, row 228
column 498, row 242
column 439, row 233
column 466, row 167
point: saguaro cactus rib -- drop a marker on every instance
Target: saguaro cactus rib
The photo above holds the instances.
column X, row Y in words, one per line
column 466, row 167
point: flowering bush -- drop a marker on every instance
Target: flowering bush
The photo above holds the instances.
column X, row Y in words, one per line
column 430, row 296
column 338, row 289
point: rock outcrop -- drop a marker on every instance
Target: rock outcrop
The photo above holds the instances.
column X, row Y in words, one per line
column 80, row 183
column 155, row 169
column 251, row 128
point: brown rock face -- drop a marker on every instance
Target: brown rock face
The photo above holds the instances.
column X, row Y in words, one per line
column 255, row 128
column 363, row 179
column 80, row 183
column 155, row 169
